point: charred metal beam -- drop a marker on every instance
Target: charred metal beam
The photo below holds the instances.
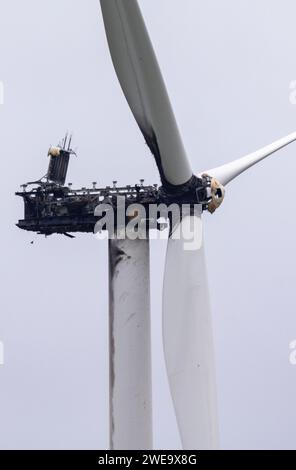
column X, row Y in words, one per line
column 51, row 208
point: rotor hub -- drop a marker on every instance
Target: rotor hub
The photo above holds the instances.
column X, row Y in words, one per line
column 202, row 189
column 217, row 194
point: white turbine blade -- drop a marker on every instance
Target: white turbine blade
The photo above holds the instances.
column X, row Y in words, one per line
column 142, row 83
column 188, row 342
column 225, row 173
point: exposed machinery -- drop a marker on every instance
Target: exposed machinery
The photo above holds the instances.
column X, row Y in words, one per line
column 59, row 161
column 53, row 207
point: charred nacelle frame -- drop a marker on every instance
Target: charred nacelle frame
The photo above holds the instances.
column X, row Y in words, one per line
column 51, row 207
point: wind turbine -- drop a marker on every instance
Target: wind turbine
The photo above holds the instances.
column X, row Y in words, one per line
column 187, row 332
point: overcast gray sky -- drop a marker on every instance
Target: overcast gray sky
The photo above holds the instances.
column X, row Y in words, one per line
column 228, row 66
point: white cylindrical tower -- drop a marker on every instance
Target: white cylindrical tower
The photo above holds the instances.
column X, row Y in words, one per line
column 130, row 345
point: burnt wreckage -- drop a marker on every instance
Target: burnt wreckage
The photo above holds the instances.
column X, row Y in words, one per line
column 53, row 207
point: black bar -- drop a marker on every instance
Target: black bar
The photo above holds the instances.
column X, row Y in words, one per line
column 132, row 459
